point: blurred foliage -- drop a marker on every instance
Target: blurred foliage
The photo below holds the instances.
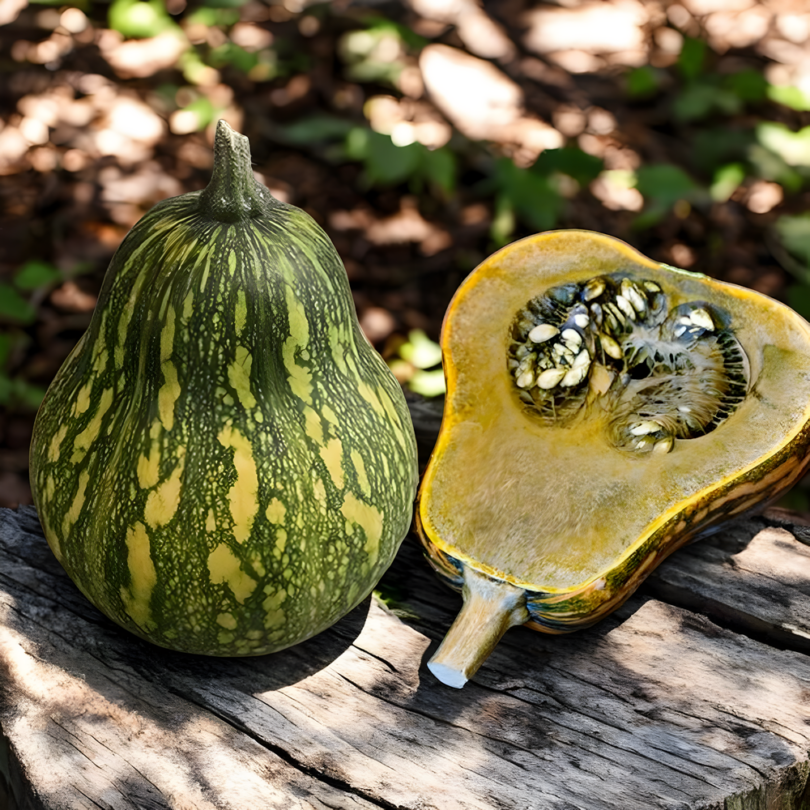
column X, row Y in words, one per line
column 18, row 309
column 417, row 362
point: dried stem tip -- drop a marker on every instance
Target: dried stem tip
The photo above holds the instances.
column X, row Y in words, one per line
column 233, row 193
column 490, row 608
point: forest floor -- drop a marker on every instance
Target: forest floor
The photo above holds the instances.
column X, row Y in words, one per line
column 421, row 135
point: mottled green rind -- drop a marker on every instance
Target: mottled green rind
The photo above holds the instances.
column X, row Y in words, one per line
column 263, row 389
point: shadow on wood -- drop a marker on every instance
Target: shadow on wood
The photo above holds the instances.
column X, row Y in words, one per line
column 659, row 706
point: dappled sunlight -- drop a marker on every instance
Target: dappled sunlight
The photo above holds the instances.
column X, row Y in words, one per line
column 755, row 691
column 481, row 101
column 408, row 225
column 479, row 32
column 137, row 59
column 586, row 37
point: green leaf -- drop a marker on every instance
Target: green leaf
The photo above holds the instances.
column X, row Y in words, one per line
column 6, row 342
column 792, row 147
column 428, row 383
column 34, row 274
column 25, row 394
column 380, row 25
column 420, row 350
column 642, row 82
column 727, row 180
column 798, row 297
column 439, row 167
column 748, row 85
column 770, row 166
column 713, row 147
column 385, row 162
column 203, row 110
column 691, row 58
column 228, row 4
column 213, row 17
column 703, row 98
column 230, row 54
column 14, row 307
column 793, row 97
column 530, row 195
column 666, row 184
column 650, row 217
column 503, row 222
column 139, row 19
column 794, row 233
column 569, row 160
column 315, row 129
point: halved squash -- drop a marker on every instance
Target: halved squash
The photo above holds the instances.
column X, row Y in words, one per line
column 602, row 409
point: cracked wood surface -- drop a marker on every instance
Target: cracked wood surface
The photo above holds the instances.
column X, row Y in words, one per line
column 696, row 694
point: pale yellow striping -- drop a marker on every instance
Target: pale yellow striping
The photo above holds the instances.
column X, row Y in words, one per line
column 239, row 377
column 168, row 394
column 210, row 521
column 224, row 566
column 240, row 313
column 188, row 305
column 329, row 414
column 232, row 262
column 162, row 502
column 100, row 361
column 227, row 621
column 83, row 397
column 83, row 441
column 164, row 303
column 319, row 490
column 297, row 317
column 275, row 511
column 243, row 496
column 50, row 489
column 370, row 397
column 272, row 605
column 360, row 469
column 135, row 291
column 312, row 425
column 148, row 469
column 204, row 276
column 370, row 521
column 300, row 378
column 331, row 455
column 393, row 417
column 56, row 441
column 167, row 337
column 143, row 576
column 72, row 514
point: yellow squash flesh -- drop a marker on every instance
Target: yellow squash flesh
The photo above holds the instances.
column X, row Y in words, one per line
column 552, row 524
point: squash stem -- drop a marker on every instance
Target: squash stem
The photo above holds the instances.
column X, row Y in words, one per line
column 233, row 194
column 490, row 608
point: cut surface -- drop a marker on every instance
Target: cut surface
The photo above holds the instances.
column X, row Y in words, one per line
column 549, row 485
column 613, row 350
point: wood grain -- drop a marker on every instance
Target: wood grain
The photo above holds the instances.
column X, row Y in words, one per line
column 659, row 706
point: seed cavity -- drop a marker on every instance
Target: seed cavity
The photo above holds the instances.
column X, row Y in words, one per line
column 616, row 346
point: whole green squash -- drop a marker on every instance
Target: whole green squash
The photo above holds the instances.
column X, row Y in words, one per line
column 224, row 465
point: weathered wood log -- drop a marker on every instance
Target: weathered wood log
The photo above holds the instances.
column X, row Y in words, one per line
column 659, row 706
